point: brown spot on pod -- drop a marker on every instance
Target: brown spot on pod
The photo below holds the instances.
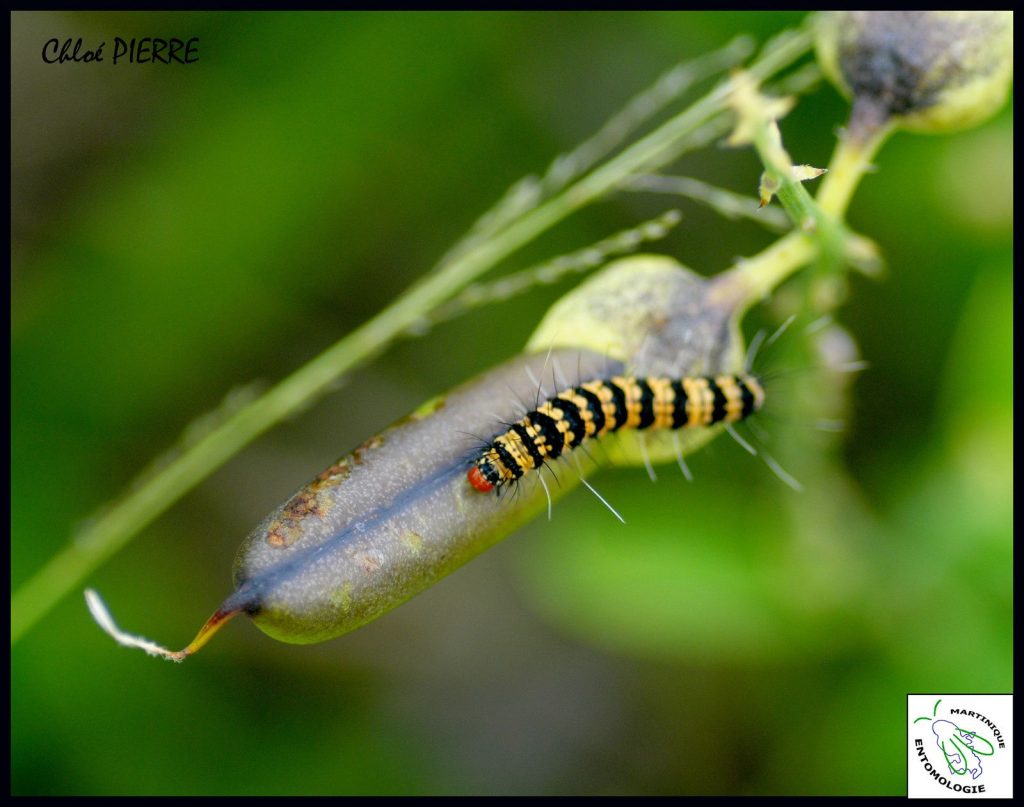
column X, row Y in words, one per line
column 287, row 529
column 302, row 504
column 368, row 562
column 374, row 442
column 283, row 534
column 336, row 473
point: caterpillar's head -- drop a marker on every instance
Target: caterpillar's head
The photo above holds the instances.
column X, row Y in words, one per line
column 478, row 480
column 484, row 476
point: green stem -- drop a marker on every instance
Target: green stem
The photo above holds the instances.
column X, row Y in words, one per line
column 67, row 570
column 753, row 279
column 851, row 160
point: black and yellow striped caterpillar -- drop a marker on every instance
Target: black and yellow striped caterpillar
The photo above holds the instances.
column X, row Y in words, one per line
column 599, row 407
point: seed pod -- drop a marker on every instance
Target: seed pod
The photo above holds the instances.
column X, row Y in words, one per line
column 400, row 512
column 395, row 516
column 927, row 71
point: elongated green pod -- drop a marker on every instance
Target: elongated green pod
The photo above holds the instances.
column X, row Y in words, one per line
column 399, row 513
column 388, row 520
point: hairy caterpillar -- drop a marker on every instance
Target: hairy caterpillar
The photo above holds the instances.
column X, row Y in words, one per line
column 603, row 406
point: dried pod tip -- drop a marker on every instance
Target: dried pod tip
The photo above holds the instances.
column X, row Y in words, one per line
column 103, row 618
column 926, row 71
column 212, row 625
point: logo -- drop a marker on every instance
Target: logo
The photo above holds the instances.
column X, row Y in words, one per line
column 959, row 746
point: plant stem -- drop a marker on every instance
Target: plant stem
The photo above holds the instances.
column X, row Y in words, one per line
column 753, row 279
column 851, row 160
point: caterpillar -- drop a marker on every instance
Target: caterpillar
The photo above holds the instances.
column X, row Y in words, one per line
column 593, row 409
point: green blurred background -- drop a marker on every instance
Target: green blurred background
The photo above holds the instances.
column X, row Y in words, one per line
column 179, row 232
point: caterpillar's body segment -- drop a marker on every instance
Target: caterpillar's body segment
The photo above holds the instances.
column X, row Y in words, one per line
column 599, row 407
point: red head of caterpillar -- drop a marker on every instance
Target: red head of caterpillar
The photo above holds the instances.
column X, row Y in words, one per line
column 596, row 408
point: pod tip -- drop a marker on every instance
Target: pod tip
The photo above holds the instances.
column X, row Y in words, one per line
column 101, row 614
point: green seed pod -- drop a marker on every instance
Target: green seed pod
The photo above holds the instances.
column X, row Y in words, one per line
column 398, row 514
column 393, row 517
column 926, row 71
column 409, row 506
